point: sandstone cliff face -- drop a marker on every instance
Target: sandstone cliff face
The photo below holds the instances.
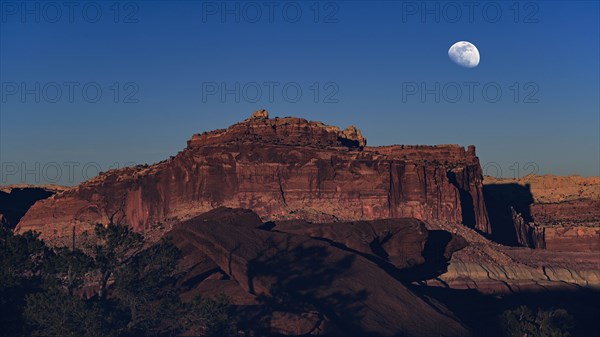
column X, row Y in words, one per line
column 570, row 225
column 282, row 168
column 572, row 238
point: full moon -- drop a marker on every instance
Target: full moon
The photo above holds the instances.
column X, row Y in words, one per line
column 464, row 54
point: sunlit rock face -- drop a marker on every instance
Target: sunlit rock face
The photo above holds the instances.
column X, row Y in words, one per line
column 281, row 168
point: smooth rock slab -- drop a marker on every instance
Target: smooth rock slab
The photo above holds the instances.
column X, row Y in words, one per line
column 399, row 241
column 297, row 273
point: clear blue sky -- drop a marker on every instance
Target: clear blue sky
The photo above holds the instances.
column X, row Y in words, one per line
column 167, row 61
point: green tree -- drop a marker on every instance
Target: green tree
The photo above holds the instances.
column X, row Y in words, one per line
column 41, row 289
column 67, row 269
column 22, row 259
column 555, row 323
column 146, row 287
column 116, row 245
column 522, row 322
column 55, row 309
column 55, row 313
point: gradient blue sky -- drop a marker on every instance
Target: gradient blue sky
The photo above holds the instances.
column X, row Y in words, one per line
column 371, row 52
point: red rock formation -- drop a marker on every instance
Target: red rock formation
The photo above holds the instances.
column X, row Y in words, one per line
column 520, row 228
column 15, row 200
column 556, row 213
column 493, row 268
column 282, row 168
column 572, row 238
column 584, row 212
column 571, row 225
column 308, row 274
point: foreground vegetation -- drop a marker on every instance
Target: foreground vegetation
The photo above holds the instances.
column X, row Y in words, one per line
column 522, row 321
column 116, row 287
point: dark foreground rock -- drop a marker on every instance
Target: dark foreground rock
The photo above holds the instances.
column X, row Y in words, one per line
column 316, row 287
column 398, row 241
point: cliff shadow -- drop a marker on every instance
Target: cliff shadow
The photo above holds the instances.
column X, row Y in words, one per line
column 466, row 202
column 437, row 252
column 15, row 204
column 301, row 279
column 499, row 198
column 350, row 143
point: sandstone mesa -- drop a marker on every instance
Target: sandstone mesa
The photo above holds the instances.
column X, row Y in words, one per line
column 282, row 168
